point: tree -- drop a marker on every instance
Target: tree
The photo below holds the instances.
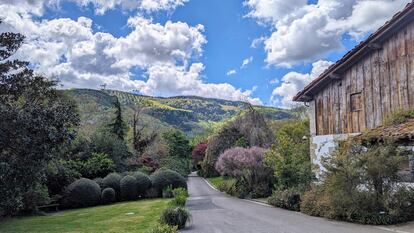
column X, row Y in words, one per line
column 36, row 121
column 118, row 126
column 140, row 140
column 290, row 156
column 178, row 144
column 199, row 152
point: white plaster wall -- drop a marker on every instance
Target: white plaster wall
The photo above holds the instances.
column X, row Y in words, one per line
column 323, row 146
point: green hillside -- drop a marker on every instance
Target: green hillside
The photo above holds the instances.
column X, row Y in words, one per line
column 187, row 113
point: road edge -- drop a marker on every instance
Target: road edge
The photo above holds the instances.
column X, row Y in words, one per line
column 247, row 200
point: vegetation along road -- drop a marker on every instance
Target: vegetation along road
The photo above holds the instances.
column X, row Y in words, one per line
column 214, row 212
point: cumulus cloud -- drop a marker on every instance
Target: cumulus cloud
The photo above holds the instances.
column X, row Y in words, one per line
column 293, row 82
column 246, row 62
column 231, row 72
column 79, row 57
column 142, row 5
column 303, row 32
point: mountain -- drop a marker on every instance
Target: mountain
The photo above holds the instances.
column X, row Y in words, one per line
column 188, row 113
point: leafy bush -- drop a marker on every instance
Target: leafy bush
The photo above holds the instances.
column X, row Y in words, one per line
column 116, row 149
column 99, row 165
column 129, row 188
column 143, row 182
column 113, row 180
column 178, row 164
column 360, row 185
column 286, row 199
column 249, row 169
column 167, row 192
column 180, row 197
column 149, row 163
column 164, row 228
column 58, row 176
column 83, row 193
column 108, row 195
column 175, row 216
column 290, row 158
column 164, row 178
column 229, row 187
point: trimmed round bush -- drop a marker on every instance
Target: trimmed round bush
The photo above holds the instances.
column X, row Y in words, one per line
column 82, row 193
column 99, row 181
column 113, row 180
column 161, row 179
column 129, row 189
column 143, row 183
column 175, row 216
column 108, row 195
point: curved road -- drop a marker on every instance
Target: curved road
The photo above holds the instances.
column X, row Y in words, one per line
column 214, row 212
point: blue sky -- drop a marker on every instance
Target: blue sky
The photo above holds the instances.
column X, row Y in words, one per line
column 97, row 42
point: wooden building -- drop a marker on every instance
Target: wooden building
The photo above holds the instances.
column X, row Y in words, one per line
column 369, row 83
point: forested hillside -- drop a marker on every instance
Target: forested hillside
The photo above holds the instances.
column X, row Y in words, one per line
column 188, row 113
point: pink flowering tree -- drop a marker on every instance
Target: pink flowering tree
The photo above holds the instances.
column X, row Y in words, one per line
column 248, row 167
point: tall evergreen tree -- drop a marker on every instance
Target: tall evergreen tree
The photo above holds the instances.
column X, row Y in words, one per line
column 36, row 121
column 118, row 125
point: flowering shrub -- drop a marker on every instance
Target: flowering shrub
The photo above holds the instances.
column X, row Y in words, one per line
column 233, row 162
column 199, row 152
column 253, row 177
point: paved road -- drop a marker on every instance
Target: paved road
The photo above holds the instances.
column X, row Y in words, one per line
column 214, row 212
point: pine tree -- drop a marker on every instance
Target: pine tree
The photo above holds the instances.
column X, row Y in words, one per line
column 118, row 126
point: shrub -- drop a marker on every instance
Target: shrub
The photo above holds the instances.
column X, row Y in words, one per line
column 164, row 228
column 113, row 180
column 175, row 216
column 99, row 165
column 249, row 169
column 143, row 182
column 164, row 178
column 178, row 164
column 290, row 158
column 108, row 195
column 180, row 197
column 99, row 181
column 286, row 199
column 129, row 188
column 229, row 187
column 167, row 192
column 83, row 193
column 361, row 186
column 58, row 176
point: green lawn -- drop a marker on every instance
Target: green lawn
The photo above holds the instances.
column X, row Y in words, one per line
column 216, row 181
column 138, row 216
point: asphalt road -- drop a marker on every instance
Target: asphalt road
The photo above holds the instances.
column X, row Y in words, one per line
column 214, row 212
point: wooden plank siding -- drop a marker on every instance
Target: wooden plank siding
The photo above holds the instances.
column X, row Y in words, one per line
column 381, row 82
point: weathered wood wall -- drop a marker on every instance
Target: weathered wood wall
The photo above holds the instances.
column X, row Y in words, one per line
column 379, row 84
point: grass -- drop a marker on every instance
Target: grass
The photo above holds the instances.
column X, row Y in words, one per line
column 216, row 181
column 138, row 216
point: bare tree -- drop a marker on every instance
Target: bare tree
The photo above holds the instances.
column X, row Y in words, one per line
column 141, row 139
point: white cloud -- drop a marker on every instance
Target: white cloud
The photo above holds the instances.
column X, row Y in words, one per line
column 258, row 41
column 169, row 80
column 72, row 52
column 246, row 62
column 303, row 32
column 231, row 72
column 293, row 82
column 101, row 6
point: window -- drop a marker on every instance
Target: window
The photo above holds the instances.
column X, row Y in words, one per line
column 356, row 102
